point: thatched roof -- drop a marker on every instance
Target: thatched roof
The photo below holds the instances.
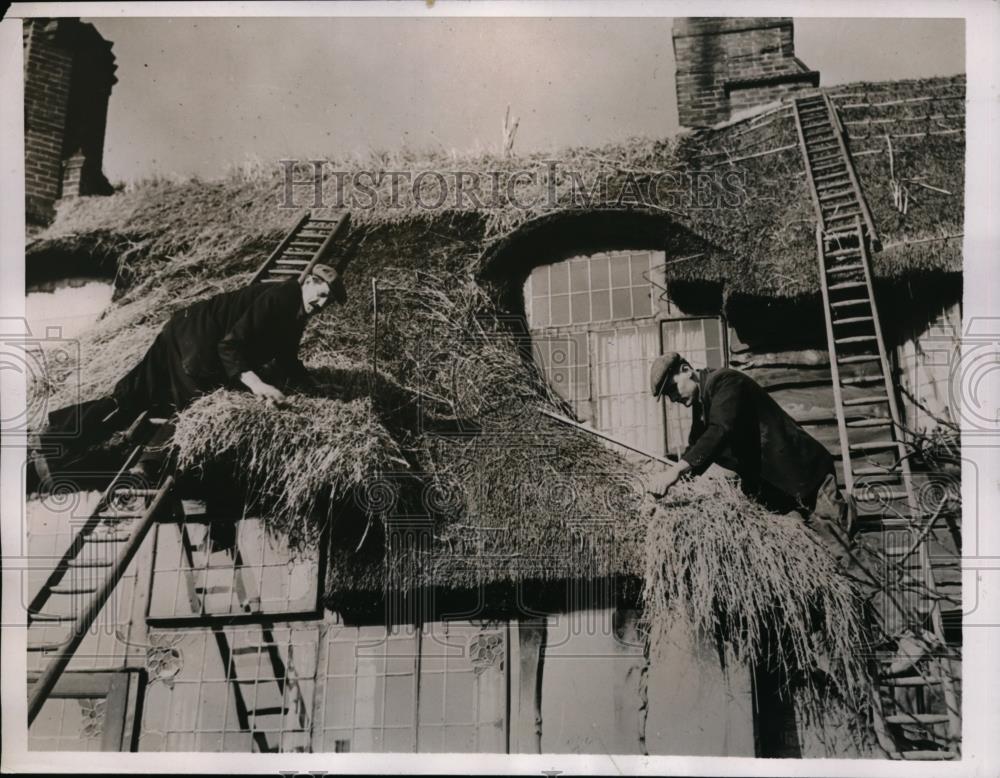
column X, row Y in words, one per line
column 517, row 498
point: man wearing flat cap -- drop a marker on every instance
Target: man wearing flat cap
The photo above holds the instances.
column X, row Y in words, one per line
column 248, row 338
column 739, row 426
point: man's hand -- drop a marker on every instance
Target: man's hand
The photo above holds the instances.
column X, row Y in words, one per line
column 659, row 484
column 272, row 395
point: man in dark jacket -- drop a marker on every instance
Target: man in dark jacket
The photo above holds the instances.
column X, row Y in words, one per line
column 235, row 339
column 739, row 426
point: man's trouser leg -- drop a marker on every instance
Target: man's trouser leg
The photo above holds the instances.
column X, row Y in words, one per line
column 831, row 522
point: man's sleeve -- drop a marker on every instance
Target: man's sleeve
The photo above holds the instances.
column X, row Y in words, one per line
column 287, row 360
column 234, row 348
column 727, row 397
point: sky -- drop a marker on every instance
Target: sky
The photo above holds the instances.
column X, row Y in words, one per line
column 199, row 94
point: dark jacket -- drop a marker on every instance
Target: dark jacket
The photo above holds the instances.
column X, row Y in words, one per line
column 738, row 425
column 226, row 335
column 211, row 343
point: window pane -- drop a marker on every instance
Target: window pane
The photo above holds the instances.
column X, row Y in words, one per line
column 560, row 278
column 539, row 312
column 713, row 343
column 619, row 271
column 579, row 281
column 581, row 308
column 560, row 310
column 621, row 304
column 600, row 272
column 559, row 378
column 540, row 281
column 640, row 301
column 600, row 305
column 640, row 269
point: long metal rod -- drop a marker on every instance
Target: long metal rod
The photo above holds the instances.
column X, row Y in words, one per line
column 58, row 664
column 605, row 436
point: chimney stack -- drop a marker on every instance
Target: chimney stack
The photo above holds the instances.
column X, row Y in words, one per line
column 730, row 64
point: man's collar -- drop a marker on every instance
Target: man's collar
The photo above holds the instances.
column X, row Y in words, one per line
column 703, row 375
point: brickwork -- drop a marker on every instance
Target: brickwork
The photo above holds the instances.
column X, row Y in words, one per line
column 727, row 64
column 68, row 76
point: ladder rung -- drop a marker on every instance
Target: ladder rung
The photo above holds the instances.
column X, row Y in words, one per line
column 915, row 680
column 861, row 379
column 306, row 255
column 833, row 235
column 88, row 564
column 845, row 269
column 847, row 285
column 832, row 177
column 826, row 159
column 107, row 538
column 274, row 710
column 917, row 718
column 854, row 339
column 849, row 216
column 892, row 494
column 839, row 192
column 322, row 221
column 852, row 252
column 819, row 132
column 213, row 590
column 270, row 280
column 72, row 590
column 845, row 303
column 823, row 145
column 929, row 755
column 830, row 165
column 852, row 320
column 296, row 262
column 874, row 445
column 48, row 617
column 870, row 423
column 45, row 646
column 875, row 471
column 876, row 522
column 872, row 398
column 859, row 358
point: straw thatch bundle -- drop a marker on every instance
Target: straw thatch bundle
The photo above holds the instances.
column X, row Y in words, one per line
column 761, row 584
column 288, row 457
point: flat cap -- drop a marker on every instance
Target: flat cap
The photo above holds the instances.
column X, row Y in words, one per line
column 662, row 369
column 332, row 279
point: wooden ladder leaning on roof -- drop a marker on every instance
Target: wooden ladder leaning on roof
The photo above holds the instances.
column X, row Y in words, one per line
column 65, row 608
column 923, row 704
column 305, row 244
column 77, row 588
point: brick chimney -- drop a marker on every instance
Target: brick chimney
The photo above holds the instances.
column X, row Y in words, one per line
column 729, row 64
column 69, row 71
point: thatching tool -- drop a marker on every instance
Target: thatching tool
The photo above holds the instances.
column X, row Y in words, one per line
column 609, row 438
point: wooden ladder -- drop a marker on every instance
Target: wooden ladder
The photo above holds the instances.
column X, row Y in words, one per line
column 253, row 717
column 305, row 244
column 921, row 708
column 81, row 582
